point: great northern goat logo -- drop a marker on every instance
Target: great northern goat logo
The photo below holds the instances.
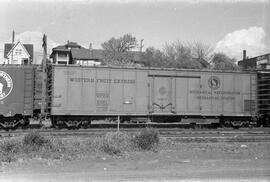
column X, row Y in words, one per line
column 6, row 85
column 214, row 82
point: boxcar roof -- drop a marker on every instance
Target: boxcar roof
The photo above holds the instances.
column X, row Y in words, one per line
column 159, row 69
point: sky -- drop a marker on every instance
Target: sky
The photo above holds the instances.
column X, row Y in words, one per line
column 229, row 26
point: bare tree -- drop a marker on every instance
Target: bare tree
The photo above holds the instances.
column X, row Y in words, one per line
column 180, row 56
column 117, row 50
column 202, row 52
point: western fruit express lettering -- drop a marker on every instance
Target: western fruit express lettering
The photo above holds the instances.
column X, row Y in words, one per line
column 105, row 81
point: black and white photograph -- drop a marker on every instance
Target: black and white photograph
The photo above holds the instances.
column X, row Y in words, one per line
column 134, row 90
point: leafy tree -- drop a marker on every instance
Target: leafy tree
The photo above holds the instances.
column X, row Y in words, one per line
column 117, row 50
column 221, row 61
column 154, row 58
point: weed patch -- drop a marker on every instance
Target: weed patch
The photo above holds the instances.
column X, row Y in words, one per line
column 34, row 145
column 34, row 141
column 9, row 149
column 114, row 143
column 146, row 139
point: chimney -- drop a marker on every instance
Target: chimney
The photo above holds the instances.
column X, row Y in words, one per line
column 66, row 46
column 244, row 54
column 244, row 59
column 91, row 49
column 90, row 46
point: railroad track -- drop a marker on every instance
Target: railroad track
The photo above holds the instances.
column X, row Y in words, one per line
column 164, row 131
column 216, row 139
column 176, row 135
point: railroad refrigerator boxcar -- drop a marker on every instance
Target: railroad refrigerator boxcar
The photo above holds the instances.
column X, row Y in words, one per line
column 16, row 95
column 89, row 91
column 81, row 94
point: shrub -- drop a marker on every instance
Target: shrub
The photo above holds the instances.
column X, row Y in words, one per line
column 9, row 150
column 93, row 144
column 54, row 149
column 146, row 139
column 35, row 141
column 115, row 143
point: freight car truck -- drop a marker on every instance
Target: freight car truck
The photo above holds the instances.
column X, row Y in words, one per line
column 82, row 94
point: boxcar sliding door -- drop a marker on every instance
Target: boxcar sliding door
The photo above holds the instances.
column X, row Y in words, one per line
column 161, row 94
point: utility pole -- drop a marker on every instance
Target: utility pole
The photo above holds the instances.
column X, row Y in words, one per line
column 44, row 76
column 12, row 44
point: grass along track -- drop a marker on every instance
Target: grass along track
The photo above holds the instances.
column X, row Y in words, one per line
column 173, row 134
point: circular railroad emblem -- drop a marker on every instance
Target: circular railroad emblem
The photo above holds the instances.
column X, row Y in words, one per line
column 214, row 82
column 6, row 85
column 162, row 90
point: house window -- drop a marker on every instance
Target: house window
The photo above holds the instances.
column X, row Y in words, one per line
column 62, row 62
column 62, row 55
column 62, row 58
column 18, row 51
column 25, row 61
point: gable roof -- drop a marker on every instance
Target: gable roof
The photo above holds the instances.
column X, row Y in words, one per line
column 97, row 53
column 16, row 45
column 29, row 48
column 60, row 48
column 66, row 47
column 82, row 54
